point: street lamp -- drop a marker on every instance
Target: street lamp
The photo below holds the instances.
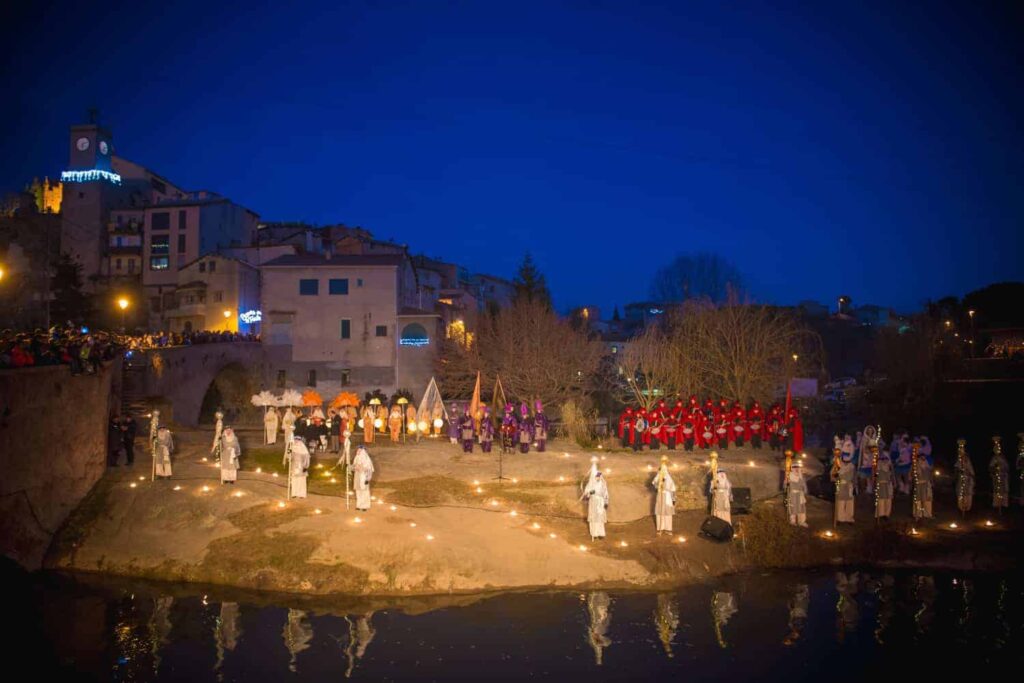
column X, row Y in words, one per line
column 122, row 303
column 1, row 273
column 970, row 314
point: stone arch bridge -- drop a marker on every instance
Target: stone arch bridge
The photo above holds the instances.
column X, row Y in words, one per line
column 181, row 378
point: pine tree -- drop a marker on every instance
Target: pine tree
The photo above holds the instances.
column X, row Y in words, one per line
column 530, row 283
column 69, row 302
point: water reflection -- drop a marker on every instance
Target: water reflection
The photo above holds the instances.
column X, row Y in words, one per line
column 110, row 633
column 924, row 593
column 360, row 634
column 298, row 634
column 798, row 606
column 599, row 614
column 666, row 620
column 723, row 606
column 847, row 611
column 226, row 633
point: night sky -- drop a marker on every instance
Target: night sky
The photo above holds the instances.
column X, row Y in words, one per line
column 825, row 149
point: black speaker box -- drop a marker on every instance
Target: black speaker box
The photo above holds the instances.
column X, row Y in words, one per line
column 717, row 529
column 741, row 501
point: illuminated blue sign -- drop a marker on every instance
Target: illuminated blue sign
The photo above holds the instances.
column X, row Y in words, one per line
column 414, row 342
column 89, row 176
column 656, row 311
column 250, row 317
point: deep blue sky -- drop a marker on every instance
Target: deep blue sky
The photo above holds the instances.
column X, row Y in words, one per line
column 827, row 148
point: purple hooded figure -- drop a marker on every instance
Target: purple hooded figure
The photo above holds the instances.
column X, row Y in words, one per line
column 453, row 423
column 540, row 426
column 486, row 430
column 509, row 427
column 525, row 434
column 466, row 431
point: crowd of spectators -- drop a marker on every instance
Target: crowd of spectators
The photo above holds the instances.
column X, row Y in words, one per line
column 84, row 350
column 163, row 339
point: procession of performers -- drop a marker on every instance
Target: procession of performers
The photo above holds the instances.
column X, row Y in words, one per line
column 719, row 425
column 518, row 430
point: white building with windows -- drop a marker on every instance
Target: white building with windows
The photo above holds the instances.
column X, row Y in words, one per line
column 351, row 321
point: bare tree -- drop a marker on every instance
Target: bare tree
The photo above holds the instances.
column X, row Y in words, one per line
column 696, row 276
column 648, row 366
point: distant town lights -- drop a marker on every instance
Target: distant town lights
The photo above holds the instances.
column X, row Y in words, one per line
column 89, row 176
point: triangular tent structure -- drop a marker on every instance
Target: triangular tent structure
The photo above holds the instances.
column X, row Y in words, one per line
column 432, row 404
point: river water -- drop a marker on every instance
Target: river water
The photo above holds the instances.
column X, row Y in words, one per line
column 824, row 625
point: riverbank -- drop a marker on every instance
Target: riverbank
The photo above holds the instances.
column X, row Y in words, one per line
column 441, row 524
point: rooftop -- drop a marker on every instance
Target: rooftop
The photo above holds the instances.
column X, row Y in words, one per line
column 335, row 261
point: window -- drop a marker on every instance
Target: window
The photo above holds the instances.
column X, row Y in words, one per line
column 181, row 243
column 337, row 286
column 160, row 245
column 311, row 378
column 414, row 334
column 117, row 241
column 382, row 330
column 159, row 263
column 282, row 377
column 181, row 219
column 359, row 282
column 309, row 287
column 117, row 264
column 218, row 297
column 202, row 267
column 213, row 266
column 346, row 329
column 131, row 265
column 161, row 220
column 346, row 377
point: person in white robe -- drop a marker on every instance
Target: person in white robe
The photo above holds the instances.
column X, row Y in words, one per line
column 297, row 459
column 885, row 487
column 923, row 488
column 999, row 470
column 796, row 494
column 362, row 473
column 964, row 478
column 721, row 497
column 597, row 505
column 360, row 635
column 162, row 452
column 288, row 424
column 230, row 452
column 665, row 500
column 270, row 421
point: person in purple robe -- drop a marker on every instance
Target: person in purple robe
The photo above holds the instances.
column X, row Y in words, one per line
column 525, row 433
column 509, row 429
column 486, row 430
column 466, row 431
column 453, row 423
column 540, row 426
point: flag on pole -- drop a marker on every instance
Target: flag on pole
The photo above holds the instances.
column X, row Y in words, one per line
column 474, row 403
column 498, row 400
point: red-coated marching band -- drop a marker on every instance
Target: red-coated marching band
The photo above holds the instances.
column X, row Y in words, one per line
column 710, row 425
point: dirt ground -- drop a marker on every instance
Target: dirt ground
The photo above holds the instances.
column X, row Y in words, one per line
column 441, row 523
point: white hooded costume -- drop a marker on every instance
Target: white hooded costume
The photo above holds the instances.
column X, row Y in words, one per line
column 288, row 425
column 721, row 497
column 297, row 459
column 230, row 452
column 665, row 502
column 270, row 425
column 796, row 495
column 362, row 473
column 162, row 453
column 596, row 493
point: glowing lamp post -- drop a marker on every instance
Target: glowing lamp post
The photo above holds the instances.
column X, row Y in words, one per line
column 122, row 304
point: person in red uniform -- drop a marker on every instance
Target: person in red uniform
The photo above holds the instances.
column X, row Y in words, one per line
column 722, row 428
column 739, row 424
column 706, row 427
column 693, row 404
column 663, row 412
column 794, row 431
column 639, row 429
column 755, row 425
column 655, row 423
column 774, row 430
column 671, row 429
column 688, row 431
column 626, row 428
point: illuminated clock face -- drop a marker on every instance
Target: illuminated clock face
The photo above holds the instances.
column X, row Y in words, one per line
column 82, row 144
column 104, row 148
